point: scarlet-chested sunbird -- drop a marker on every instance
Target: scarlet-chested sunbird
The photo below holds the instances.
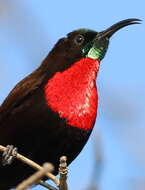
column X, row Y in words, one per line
column 52, row 112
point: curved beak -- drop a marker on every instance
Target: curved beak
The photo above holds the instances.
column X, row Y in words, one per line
column 114, row 28
column 101, row 41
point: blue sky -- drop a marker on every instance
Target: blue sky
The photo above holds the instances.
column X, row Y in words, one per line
column 29, row 30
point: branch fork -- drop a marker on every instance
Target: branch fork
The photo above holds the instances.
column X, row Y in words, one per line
column 46, row 170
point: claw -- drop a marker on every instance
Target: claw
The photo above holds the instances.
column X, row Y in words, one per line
column 9, row 155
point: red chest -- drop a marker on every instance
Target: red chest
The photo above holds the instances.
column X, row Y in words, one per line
column 73, row 94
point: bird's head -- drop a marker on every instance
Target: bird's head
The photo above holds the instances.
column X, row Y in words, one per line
column 80, row 44
column 86, row 43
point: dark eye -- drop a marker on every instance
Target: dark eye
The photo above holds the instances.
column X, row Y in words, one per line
column 79, row 39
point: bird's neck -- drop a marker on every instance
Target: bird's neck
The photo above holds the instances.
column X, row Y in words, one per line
column 73, row 93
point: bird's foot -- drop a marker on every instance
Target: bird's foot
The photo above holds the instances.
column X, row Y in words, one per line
column 9, row 155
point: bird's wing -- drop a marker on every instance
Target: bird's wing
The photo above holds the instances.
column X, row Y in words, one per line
column 20, row 93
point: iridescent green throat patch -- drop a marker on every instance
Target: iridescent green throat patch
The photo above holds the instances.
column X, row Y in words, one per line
column 96, row 49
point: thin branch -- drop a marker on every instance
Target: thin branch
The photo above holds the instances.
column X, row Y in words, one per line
column 63, row 173
column 35, row 178
column 33, row 165
column 46, row 185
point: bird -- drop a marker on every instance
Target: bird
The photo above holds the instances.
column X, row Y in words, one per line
column 52, row 111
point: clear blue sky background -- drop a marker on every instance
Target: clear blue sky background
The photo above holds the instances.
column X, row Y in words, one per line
column 28, row 31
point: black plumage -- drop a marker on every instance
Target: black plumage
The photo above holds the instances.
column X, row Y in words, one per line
column 27, row 122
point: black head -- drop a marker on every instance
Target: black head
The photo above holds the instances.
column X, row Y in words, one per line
column 85, row 43
column 71, row 47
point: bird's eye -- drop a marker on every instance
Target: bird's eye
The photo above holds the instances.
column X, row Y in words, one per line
column 79, row 39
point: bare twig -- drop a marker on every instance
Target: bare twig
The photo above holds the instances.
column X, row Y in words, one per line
column 47, row 186
column 33, row 165
column 63, row 173
column 63, row 176
column 36, row 177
